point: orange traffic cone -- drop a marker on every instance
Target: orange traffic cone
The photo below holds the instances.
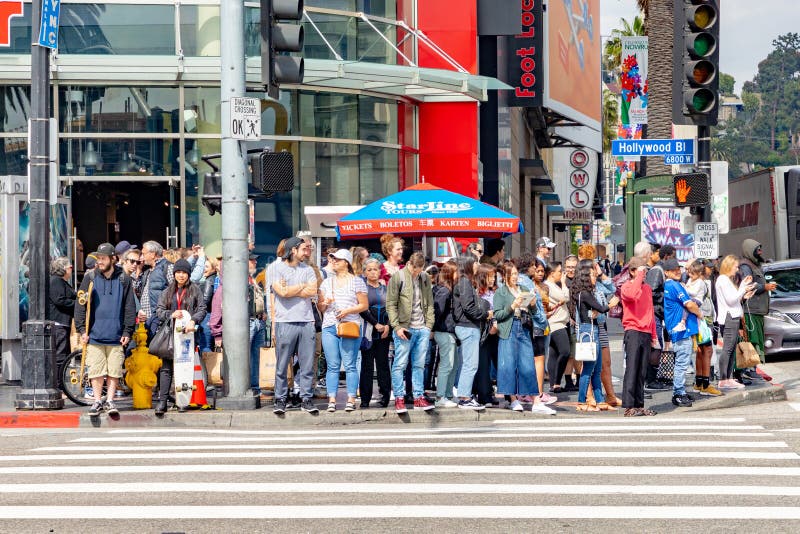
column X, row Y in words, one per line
column 199, row 390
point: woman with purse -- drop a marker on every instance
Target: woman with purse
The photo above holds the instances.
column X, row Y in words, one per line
column 180, row 295
column 584, row 308
column 558, row 320
column 515, row 370
column 376, row 356
column 729, row 309
column 469, row 316
column 444, row 329
column 700, row 290
column 342, row 297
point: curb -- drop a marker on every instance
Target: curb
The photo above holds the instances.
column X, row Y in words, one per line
column 742, row 398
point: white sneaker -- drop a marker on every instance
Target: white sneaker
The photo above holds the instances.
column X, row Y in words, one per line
column 444, row 402
column 542, row 409
column 516, row 406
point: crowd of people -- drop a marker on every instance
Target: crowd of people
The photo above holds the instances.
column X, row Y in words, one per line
column 478, row 331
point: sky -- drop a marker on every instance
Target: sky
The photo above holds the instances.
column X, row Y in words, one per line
column 747, row 29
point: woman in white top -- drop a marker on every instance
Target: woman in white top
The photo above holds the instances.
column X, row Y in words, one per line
column 342, row 297
column 558, row 319
column 729, row 314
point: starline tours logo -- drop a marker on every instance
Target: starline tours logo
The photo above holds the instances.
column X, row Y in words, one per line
column 401, row 208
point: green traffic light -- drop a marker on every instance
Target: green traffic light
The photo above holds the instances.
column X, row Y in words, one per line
column 703, row 44
column 700, row 101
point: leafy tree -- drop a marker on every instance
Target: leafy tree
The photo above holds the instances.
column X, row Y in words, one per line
column 726, row 84
column 612, row 51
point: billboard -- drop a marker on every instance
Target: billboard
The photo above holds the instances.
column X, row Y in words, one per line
column 525, row 58
column 663, row 224
column 633, row 81
column 573, row 86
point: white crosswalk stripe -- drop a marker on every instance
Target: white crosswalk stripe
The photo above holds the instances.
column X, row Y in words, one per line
column 539, row 467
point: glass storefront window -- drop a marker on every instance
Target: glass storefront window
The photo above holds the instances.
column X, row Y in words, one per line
column 15, row 101
column 377, row 120
column 20, row 33
column 378, row 173
column 329, row 174
column 14, row 156
column 119, row 157
column 277, row 118
column 200, row 30
column 119, row 109
column 329, row 115
column 135, row 29
column 202, row 110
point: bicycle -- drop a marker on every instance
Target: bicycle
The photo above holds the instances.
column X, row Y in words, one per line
column 75, row 386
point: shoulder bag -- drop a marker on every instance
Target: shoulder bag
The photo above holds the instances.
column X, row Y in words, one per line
column 346, row 329
column 585, row 351
column 746, row 354
column 162, row 344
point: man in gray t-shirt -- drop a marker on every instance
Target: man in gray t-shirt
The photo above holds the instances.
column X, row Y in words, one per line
column 294, row 283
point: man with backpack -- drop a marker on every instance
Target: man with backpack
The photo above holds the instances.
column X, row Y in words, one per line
column 112, row 312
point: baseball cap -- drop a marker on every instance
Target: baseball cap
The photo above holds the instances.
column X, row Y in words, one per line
column 545, row 242
column 91, row 261
column 105, row 249
column 671, row 265
column 252, row 256
column 292, row 242
column 123, row 247
column 342, row 254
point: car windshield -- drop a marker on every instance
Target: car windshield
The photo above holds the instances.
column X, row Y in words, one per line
column 788, row 281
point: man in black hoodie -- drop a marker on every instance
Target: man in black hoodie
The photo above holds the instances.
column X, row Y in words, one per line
column 758, row 305
column 112, row 319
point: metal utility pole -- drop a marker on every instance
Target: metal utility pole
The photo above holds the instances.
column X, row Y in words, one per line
column 235, row 213
column 39, row 384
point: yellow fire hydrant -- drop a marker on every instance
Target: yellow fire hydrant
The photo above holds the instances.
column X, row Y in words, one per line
column 141, row 369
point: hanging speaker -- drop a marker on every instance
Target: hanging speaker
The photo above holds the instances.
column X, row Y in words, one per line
column 273, row 172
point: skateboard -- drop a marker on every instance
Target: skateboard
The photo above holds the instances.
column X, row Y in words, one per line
column 183, row 362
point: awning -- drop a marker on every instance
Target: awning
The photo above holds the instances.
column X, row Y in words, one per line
column 549, row 199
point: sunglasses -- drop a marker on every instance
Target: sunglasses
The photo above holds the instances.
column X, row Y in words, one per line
column 135, row 262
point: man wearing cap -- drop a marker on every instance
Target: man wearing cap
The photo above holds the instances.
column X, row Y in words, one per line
column 544, row 248
column 123, row 247
column 655, row 279
column 256, row 303
column 680, row 319
column 113, row 317
column 294, row 283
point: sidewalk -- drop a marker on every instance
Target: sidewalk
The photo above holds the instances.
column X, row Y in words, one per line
column 75, row 416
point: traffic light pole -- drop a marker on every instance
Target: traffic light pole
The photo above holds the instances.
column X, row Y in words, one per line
column 704, row 165
column 235, row 213
column 39, row 386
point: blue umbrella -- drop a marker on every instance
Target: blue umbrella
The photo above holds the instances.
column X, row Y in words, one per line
column 427, row 210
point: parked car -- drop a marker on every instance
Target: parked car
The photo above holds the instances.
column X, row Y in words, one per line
column 782, row 323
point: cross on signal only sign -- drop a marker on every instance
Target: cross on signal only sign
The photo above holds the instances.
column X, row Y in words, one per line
column 706, row 240
column 245, row 118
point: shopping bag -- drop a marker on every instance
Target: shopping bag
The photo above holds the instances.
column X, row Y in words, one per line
column 212, row 361
column 266, row 369
column 746, row 355
column 666, row 366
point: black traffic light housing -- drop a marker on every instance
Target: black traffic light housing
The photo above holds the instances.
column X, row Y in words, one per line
column 212, row 192
column 277, row 38
column 695, row 62
column 586, row 232
column 690, row 189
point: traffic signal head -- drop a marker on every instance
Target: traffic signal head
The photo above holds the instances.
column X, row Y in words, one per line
column 272, row 172
column 212, row 192
column 586, row 231
column 690, row 189
column 695, row 82
column 276, row 39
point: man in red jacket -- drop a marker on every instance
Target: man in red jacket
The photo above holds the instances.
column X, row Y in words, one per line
column 639, row 324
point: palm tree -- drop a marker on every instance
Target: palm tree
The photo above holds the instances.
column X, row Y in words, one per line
column 658, row 26
column 610, row 118
column 612, row 51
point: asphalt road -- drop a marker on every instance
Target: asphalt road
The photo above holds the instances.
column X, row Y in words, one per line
column 734, row 471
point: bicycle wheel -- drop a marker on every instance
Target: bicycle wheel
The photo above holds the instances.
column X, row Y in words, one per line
column 73, row 383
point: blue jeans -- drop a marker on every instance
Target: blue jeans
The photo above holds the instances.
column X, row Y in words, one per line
column 447, row 360
column 683, row 358
column 340, row 351
column 257, row 333
column 205, row 342
column 470, row 350
column 591, row 370
column 414, row 348
column 516, row 374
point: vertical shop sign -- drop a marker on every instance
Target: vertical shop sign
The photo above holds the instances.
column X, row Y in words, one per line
column 525, row 53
